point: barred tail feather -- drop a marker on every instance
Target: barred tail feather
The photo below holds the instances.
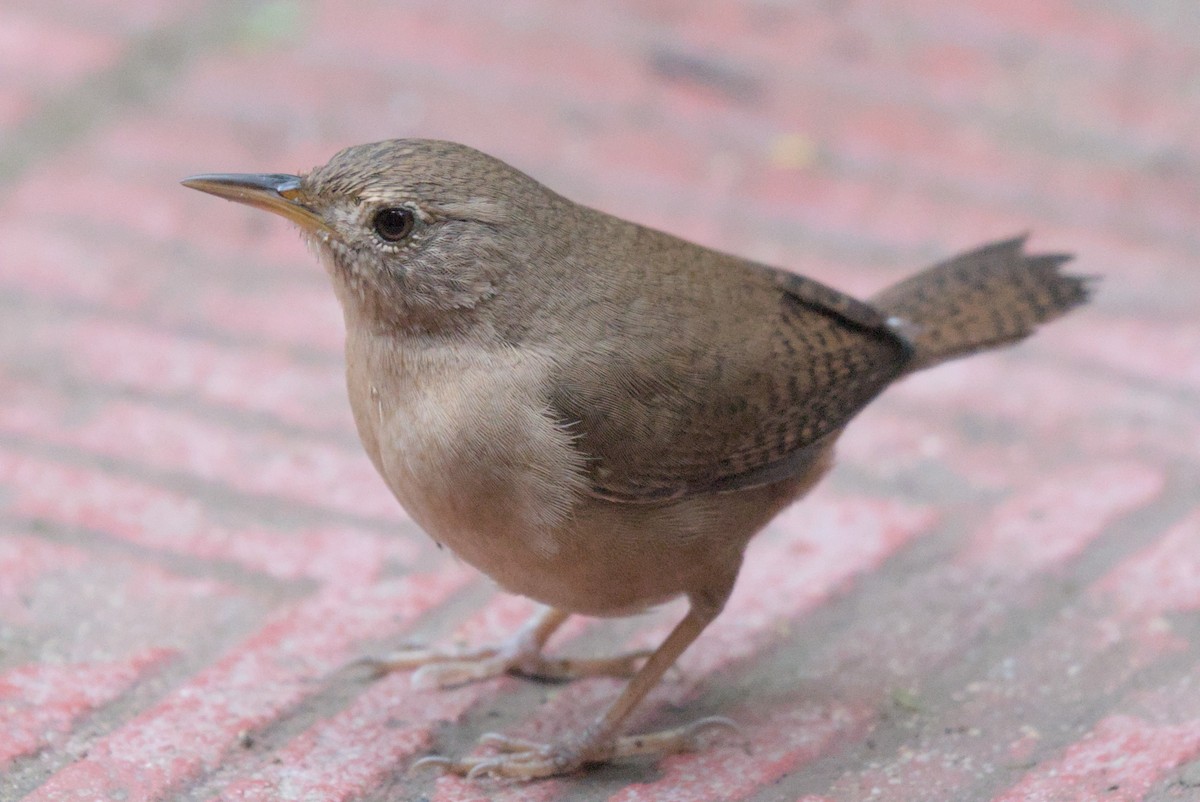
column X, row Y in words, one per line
column 979, row 300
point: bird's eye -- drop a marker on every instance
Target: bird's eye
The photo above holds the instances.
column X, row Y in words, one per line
column 393, row 224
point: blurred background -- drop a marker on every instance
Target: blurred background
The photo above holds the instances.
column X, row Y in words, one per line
column 994, row 596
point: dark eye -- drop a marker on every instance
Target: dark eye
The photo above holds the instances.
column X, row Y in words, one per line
column 394, row 224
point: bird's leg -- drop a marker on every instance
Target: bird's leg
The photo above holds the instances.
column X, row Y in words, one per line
column 601, row 742
column 520, row 654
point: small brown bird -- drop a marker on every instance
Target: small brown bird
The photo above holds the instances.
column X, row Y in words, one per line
column 598, row 415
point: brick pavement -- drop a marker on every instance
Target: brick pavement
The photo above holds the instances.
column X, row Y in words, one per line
column 995, row 596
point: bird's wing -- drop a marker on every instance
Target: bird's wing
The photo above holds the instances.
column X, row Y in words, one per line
column 728, row 405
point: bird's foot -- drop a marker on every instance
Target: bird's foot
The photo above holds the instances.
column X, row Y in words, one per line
column 518, row 759
column 446, row 668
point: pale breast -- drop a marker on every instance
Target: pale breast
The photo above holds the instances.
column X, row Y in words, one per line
column 468, row 448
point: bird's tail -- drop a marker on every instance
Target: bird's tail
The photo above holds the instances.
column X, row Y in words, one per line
column 978, row 300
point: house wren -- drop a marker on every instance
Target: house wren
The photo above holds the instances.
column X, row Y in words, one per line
column 598, row 415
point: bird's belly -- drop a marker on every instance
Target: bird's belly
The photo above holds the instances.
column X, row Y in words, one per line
column 490, row 537
column 479, row 465
column 612, row 559
column 480, row 511
column 486, row 473
column 600, row 557
column 596, row 561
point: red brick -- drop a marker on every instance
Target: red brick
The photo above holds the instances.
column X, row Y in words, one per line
column 937, row 153
column 1162, row 578
column 979, row 165
column 888, row 51
column 40, row 261
column 897, row 445
column 40, row 702
column 132, row 205
column 958, row 747
column 1119, row 760
column 190, row 731
column 1107, row 38
column 820, row 570
column 1056, row 518
column 128, row 17
column 1044, row 399
column 285, row 306
column 162, row 146
column 893, row 143
column 24, row 562
column 1089, row 649
column 813, row 551
column 783, row 576
column 934, row 155
column 301, row 316
column 69, row 190
column 935, row 772
column 493, row 54
column 932, row 125
column 250, row 461
column 1076, row 76
column 781, row 741
column 149, row 516
column 16, row 105
column 387, row 726
column 73, row 607
column 213, row 89
column 1166, row 351
column 836, row 540
column 109, row 353
column 353, row 752
column 49, row 54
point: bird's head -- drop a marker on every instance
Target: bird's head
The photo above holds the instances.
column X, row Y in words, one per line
column 418, row 232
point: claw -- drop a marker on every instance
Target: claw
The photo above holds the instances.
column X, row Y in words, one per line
column 714, row 723
column 484, row 768
column 434, row 676
column 696, row 729
column 432, row 762
column 520, row 759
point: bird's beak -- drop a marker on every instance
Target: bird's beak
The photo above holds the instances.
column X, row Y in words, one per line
column 275, row 192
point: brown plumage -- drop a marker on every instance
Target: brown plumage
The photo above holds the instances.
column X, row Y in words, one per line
column 596, row 414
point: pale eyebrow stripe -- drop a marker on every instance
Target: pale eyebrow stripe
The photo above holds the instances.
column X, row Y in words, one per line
column 478, row 209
